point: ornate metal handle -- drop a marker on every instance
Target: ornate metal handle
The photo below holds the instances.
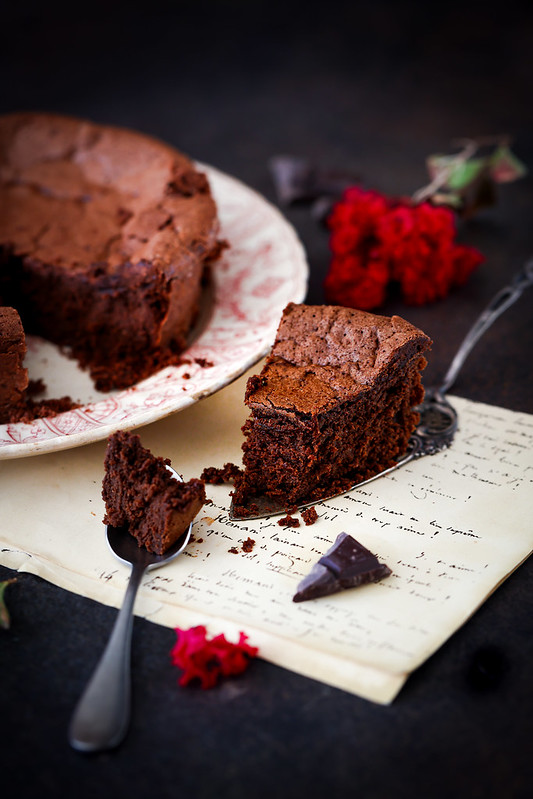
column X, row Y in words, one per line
column 438, row 419
column 503, row 299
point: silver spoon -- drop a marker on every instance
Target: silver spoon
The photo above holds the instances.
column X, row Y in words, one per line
column 438, row 418
column 101, row 718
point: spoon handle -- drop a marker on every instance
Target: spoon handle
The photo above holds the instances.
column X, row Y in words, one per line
column 102, row 715
column 499, row 303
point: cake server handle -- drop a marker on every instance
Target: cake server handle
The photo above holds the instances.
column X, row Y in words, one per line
column 438, row 418
column 499, row 303
column 102, row 715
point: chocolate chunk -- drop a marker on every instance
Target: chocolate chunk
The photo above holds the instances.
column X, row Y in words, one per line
column 346, row 564
column 298, row 180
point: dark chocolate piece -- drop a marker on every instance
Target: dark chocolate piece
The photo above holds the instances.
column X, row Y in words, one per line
column 298, row 180
column 346, row 564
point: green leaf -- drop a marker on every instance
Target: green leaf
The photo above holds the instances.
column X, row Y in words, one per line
column 454, row 172
column 463, row 174
column 4, row 613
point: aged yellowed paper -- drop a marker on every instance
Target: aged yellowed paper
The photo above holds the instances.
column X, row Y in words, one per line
column 450, row 526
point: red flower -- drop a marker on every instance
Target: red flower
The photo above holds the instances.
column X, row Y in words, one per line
column 209, row 660
column 377, row 241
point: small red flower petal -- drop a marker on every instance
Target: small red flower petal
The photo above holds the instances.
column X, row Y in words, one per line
column 207, row 660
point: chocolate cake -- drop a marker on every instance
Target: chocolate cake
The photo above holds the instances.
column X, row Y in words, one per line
column 346, row 564
column 140, row 493
column 104, row 238
column 13, row 375
column 332, row 406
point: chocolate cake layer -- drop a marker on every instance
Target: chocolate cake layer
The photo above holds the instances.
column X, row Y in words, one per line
column 13, row 376
column 104, row 237
column 333, row 404
column 140, row 493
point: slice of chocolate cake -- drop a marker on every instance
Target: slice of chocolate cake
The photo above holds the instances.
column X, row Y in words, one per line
column 346, row 564
column 332, row 406
column 140, row 493
column 13, row 375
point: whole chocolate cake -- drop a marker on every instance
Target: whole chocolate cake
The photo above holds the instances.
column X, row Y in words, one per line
column 333, row 404
column 140, row 493
column 104, row 238
column 13, row 375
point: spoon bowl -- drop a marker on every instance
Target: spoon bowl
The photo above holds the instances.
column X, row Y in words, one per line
column 126, row 549
column 101, row 718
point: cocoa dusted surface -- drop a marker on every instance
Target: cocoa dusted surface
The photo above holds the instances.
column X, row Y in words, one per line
column 326, row 354
column 373, row 88
column 74, row 193
column 347, row 339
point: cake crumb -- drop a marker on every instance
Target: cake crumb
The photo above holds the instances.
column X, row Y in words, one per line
column 216, row 476
column 309, row 515
column 288, row 521
column 248, row 545
column 233, row 550
column 38, row 409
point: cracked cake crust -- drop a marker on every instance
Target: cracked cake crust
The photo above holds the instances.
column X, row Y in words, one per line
column 105, row 235
column 332, row 406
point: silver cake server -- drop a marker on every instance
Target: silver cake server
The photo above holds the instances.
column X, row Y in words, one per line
column 438, row 418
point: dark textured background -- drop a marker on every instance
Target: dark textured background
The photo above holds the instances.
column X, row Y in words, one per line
column 372, row 87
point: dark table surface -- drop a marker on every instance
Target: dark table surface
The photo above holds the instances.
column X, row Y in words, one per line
column 369, row 87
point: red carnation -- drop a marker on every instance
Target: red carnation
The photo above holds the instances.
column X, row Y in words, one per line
column 377, row 241
column 209, row 660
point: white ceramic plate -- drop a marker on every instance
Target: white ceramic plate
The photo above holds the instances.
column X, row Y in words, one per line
column 264, row 269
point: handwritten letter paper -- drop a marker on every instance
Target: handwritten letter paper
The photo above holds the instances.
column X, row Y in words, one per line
column 450, row 526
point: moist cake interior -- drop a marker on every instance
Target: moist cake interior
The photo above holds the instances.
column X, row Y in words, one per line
column 140, row 493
